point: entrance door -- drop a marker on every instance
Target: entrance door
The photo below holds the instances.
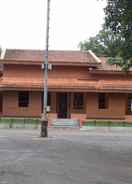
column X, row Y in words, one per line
column 62, row 101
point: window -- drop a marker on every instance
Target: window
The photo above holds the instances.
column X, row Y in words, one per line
column 23, row 99
column 102, row 101
column 78, row 101
column 130, row 104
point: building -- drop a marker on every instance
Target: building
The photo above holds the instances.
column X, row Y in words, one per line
column 81, row 86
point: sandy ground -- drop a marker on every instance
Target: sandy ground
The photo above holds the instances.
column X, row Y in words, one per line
column 66, row 157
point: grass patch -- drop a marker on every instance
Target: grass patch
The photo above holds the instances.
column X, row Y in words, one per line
column 11, row 120
column 107, row 123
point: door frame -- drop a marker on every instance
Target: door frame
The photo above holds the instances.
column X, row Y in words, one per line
column 68, row 104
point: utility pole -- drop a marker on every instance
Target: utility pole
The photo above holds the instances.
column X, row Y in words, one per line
column 44, row 118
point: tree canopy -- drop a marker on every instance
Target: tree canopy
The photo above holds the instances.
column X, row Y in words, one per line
column 118, row 18
column 105, row 43
column 115, row 39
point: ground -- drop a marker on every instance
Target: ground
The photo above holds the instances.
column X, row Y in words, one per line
column 66, row 157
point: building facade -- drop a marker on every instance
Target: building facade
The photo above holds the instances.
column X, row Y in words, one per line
column 80, row 86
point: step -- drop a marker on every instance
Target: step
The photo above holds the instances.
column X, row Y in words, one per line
column 65, row 123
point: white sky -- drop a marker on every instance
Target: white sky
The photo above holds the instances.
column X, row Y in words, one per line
column 22, row 23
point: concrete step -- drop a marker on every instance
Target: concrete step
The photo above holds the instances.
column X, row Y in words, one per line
column 65, row 123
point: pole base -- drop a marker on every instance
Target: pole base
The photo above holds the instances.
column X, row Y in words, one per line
column 44, row 128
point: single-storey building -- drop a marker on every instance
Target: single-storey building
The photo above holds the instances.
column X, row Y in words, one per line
column 80, row 86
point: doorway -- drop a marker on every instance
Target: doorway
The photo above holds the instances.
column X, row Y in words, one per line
column 62, row 103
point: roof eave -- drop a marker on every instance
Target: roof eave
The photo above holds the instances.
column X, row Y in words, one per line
column 55, row 63
column 68, row 89
column 109, row 72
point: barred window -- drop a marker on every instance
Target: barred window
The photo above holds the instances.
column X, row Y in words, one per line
column 23, row 99
column 78, row 101
column 102, row 101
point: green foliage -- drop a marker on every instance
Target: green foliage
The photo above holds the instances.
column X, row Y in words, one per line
column 115, row 40
column 124, row 64
column 105, row 43
column 119, row 20
column 13, row 120
column 107, row 123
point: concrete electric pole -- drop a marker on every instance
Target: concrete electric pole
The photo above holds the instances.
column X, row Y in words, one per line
column 44, row 118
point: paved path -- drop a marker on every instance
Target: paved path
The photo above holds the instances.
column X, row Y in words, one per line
column 66, row 157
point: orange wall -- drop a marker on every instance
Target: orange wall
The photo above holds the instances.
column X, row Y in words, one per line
column 11, row 108
column 117, row 102
column 21, row 71
column 10, row 105
column 61, row 72
column 116, row 106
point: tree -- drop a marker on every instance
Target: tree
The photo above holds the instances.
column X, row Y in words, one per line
column 119, row 20
column 105, row 43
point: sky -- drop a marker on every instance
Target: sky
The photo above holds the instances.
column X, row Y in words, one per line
column 23, row 23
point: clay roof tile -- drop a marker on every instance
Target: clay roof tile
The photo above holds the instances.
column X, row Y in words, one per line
column 54, row 56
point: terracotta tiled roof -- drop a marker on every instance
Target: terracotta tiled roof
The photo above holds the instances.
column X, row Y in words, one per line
column 70, row 84
column 54, row 56
column 115, row 85
column 52, row 83
column 60, row 57
column 107, row 67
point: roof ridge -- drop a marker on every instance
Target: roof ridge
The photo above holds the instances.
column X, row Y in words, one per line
column 94, row 56
column 52, row 50
column 3, row 52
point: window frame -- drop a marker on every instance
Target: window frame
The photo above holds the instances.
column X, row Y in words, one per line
column 23, row 99
column 75, row 105
column 102, row 105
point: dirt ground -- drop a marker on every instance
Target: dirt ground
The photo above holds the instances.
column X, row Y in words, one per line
column 66, row 157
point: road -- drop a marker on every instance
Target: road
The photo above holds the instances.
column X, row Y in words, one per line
column 66, row 157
